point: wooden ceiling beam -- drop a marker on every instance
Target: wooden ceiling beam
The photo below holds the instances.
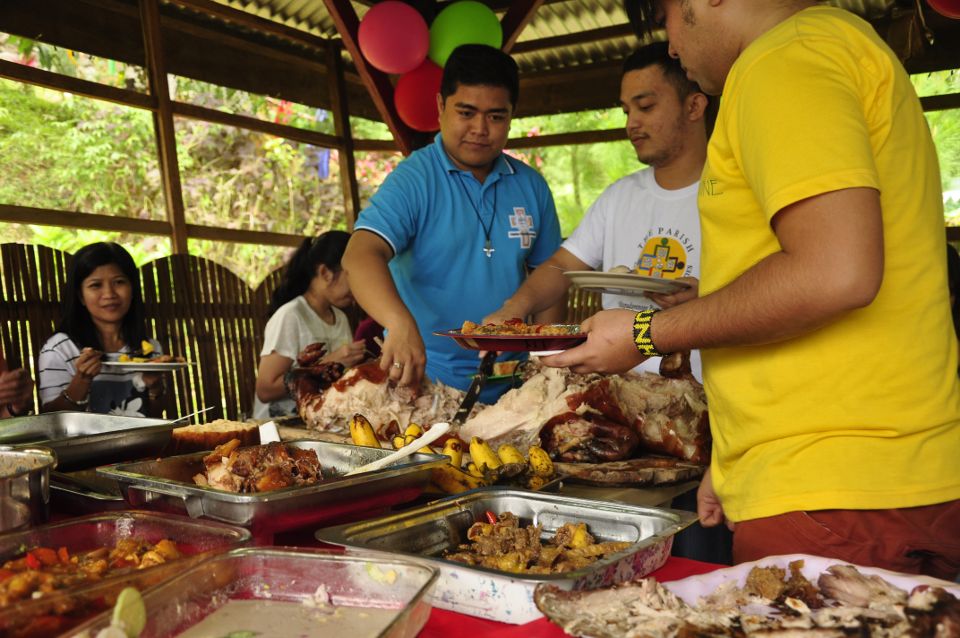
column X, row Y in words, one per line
column 376, row 81
column 573, row 39
column 516, row 19
column 567, row 139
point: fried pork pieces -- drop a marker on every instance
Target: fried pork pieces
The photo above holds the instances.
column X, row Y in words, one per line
column 259, row 468
column 844, row 603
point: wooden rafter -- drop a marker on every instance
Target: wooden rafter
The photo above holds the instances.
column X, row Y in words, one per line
column 341, row 124
column 573, row 39
column 516, row 19
column 376, row 81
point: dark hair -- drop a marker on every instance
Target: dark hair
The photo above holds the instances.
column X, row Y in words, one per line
column 642, row 15
column 326, row 249
column 953, row 282
column 658, row 54
column 474, row 64
column 76, row 321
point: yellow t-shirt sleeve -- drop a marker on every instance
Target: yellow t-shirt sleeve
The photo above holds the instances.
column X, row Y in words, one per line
column 803, row 85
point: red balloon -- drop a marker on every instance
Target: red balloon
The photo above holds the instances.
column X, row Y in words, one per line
column 415, row 97
column 393, row 37
column 948, row 8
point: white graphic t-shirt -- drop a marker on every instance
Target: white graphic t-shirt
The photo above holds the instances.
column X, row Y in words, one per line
column 638, row 224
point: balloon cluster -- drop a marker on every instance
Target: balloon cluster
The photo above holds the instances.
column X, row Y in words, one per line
column 394, row 38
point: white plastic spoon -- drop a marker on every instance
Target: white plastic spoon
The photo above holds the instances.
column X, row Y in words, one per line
column 435, row 432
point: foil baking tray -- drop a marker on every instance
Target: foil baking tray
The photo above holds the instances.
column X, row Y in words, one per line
column 307, row 593
column 430, row 530
column 58, row 611
column 167, row 484
column 84, row 439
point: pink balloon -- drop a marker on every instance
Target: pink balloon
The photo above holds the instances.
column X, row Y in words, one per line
column 946, row 8
column 415, row 97
column 393, row 37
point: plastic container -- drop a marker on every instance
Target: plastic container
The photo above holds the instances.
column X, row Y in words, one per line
column 286, row 592
column 58, row 612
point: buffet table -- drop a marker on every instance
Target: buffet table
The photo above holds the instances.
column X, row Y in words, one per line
column 443, row 624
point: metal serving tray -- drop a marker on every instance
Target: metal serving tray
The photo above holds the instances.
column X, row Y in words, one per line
column 167, row 484
column 372, row 595
column 430, row 530
column 84, row 439
column 58, row 611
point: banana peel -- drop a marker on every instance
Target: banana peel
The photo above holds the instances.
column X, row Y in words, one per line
column 483, row 455
column 453, row 480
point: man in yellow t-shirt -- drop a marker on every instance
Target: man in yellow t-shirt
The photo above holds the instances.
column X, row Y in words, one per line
column 824, row 321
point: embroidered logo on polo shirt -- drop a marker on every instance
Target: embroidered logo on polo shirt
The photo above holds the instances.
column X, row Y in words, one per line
column 523, row 227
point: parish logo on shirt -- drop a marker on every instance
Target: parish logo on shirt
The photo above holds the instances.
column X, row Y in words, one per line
column 665, row 254
column 522, row 225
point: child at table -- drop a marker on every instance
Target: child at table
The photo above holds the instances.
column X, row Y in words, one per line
column 306, row 309
column 102, row 315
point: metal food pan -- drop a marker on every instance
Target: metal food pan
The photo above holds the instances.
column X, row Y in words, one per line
column 59, row 610
column 167, row 484
column 368, row 596
column 85, row 439
column 430, row 530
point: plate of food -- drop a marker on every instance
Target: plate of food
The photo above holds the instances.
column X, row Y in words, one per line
column 144, row 359
column 623, row 282
column 516, row 336
column 778, row 595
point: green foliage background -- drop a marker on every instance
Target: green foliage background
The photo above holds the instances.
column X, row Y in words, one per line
column 65, row 152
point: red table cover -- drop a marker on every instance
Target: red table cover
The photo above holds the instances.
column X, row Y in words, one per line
column 444, row 624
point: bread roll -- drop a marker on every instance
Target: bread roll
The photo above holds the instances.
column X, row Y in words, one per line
column 206, row 436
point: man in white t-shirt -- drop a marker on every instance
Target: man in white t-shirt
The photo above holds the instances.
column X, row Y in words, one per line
column 648, row 220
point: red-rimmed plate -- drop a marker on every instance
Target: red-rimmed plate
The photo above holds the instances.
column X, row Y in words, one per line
column 515, row 343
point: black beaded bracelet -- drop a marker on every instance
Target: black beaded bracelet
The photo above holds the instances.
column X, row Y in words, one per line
column 641, row 333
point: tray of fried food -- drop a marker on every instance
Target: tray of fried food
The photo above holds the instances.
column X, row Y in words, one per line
column 469, row 466
column 58, row 575
column 522, row 539
column 273, row 487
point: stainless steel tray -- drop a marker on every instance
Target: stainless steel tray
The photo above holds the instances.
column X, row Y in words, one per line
column 167, row 484
column 430, row 530
column 83, row 439
column 84, row 492
column 373, row 595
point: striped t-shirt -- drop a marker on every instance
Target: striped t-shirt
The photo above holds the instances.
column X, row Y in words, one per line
column 112, row 391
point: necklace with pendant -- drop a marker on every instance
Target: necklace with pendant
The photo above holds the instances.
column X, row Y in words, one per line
column 488, row 248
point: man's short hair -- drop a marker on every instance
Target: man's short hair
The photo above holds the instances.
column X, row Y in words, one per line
column 658, row 54
column 479, row 64
column 642, row 15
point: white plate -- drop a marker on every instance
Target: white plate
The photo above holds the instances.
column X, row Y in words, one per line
column 139, row 366
column 622, row 283
column 692, row 588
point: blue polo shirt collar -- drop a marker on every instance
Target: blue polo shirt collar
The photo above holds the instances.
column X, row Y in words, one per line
column 501, row 166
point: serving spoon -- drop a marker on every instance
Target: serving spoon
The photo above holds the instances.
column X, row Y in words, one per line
column 435, row 432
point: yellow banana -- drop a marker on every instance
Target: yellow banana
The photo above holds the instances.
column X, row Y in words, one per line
column 536, row 482
column 398, row 442
column 361, row 432
column 483, row 455
column 510, row 454
column 454, row 449
column 473, row 470
column 540, row 461
column 146, row 347
column 413, row 430
column 452, row 480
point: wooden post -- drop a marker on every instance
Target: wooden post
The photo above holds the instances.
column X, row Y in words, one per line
column 341, row 124
column 163, row 124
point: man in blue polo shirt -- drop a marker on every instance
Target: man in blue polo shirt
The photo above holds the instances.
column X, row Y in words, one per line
column 453, row 230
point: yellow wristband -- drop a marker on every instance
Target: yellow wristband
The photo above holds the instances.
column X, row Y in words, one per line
column 641, row 333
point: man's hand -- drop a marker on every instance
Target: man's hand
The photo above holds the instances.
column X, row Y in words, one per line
column 349, row 355
column 502, row 314
column 709, row 508
column 88, row 363
column 16, row 389
column 403, row 355
column 609, row 347
column 679, row 297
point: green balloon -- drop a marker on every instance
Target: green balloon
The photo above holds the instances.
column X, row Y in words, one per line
column 464, row 22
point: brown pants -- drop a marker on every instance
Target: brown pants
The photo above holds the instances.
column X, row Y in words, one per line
column 914, row 540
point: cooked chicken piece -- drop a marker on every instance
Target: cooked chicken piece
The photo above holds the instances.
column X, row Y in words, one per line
column 847, row 585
